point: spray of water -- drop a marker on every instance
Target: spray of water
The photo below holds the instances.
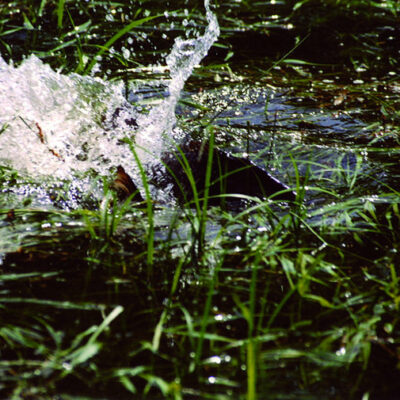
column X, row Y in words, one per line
column 157, row 129
column 57, row 126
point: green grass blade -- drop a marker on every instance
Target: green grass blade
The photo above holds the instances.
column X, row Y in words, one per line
column 203, row 216
column 149, row 207
column 60, row 13
column 107, row 321
column 205, row 318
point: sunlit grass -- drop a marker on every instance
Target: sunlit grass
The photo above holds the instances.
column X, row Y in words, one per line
column 233, row 301
column 268, row 276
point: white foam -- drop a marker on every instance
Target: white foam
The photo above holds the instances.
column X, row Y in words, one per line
column 72, row 112
column 69, row 111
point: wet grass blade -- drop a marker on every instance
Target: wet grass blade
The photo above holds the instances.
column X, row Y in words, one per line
column 203, row 216
column 205, row 318
column 150, row 214
column 60, row 13
column 66, row 305
column 14, row 277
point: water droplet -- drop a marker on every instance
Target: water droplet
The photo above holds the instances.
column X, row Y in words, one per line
column 341, row 351
column 215, row 360
column 67, row 366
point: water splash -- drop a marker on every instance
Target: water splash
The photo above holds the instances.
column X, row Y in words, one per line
column 56, row 126
column 52, row 123
column 185, row 55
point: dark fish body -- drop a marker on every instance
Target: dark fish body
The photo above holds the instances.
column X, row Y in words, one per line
column 229, row 175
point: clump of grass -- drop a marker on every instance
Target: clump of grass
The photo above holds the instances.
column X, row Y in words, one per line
column 274, row 291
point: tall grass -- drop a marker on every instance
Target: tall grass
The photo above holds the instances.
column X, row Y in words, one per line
column 149, row 204
column 275, row 288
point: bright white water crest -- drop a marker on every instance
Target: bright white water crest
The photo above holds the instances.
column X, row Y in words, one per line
column 58, row 127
